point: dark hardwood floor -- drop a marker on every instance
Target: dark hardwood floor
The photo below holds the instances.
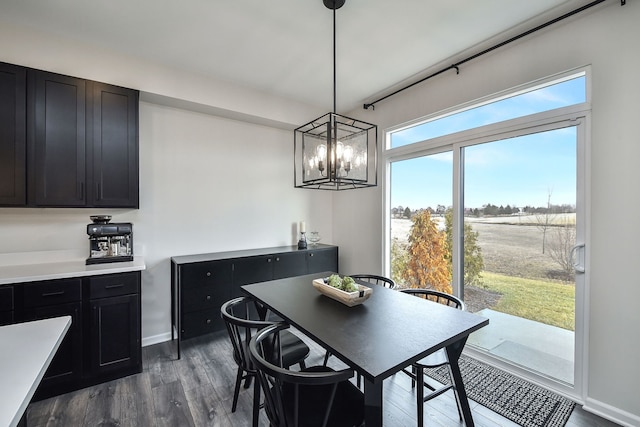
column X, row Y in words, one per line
column 198, row 389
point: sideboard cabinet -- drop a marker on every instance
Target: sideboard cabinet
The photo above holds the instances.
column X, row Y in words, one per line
column 200, row 284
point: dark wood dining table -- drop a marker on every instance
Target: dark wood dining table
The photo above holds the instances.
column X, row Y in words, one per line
column 377, row 338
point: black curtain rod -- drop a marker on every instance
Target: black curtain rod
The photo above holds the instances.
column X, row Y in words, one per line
column 492, row 48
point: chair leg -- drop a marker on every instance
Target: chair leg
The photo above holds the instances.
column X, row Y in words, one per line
column 455, row 393
column 247, row 381
column 413, row 378
column 256, row 402
column 420, row 394
column 236, row 392
column 326, row 358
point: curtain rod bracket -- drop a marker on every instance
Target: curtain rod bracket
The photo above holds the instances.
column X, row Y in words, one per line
column 623, row 2
column 457, row 69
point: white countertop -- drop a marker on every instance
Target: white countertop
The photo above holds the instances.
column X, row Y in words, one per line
column 64, row 269
column 27, row 351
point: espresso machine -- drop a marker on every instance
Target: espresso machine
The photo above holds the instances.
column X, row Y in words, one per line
column 109, row 242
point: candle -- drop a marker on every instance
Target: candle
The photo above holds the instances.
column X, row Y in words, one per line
column 302, row 227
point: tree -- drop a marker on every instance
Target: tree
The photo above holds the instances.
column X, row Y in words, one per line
column 399, row 259
column 428, row 257
column 560, row 245
column 473, row 260
column 407, row 212
column 545, row 221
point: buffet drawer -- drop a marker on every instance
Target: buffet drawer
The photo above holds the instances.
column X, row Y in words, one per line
column 206, row 274
column 201, row 322
column 207, row 297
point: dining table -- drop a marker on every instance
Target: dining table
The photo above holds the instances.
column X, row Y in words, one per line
column 378, row 338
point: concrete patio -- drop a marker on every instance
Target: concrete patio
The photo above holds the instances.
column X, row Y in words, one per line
column 549, row 350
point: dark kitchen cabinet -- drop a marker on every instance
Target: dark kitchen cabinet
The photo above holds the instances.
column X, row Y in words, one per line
column 66, row 141
column 83, row 142
column 13, row 142
column 7, row 305
column 114, row 331
column 54, row 298
column 113, row 146
column 56, row 134
column 104, row 339
column 200, row 284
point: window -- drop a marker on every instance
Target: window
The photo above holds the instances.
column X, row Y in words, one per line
column 484, row 202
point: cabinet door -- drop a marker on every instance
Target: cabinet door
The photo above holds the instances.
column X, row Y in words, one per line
column 66, row 367
column 325, row 259
column 115, row 334
column 6, row 305
column 13, row 143
column 56, row 139
column 289, row 265
column 251, row 270
column 113, row 149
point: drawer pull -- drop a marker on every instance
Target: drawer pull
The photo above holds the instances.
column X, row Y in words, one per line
column 269, row 260
column 311, row 254
column 208, row 297
column 277, row 258
column 208, row 321
column 208, row 274
column 53, row 294
column 120, row 285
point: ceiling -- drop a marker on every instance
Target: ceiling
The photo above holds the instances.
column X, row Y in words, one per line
column 284, row 47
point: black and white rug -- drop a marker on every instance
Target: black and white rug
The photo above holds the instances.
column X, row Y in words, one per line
column 514, row 398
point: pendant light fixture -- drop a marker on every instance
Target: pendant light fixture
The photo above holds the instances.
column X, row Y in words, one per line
column 335, row 152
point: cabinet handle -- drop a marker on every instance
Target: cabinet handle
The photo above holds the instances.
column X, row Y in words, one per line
column 208, row 297
column 53, row 294
column 277, row 258
column 311, row 254
column 269, row 260
column 208, row 274
column 120, row 285
column 98, row 195
column 208, row 321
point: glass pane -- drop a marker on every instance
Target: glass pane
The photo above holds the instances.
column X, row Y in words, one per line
column 519, row 229
column 421, row 193
column 557, row 95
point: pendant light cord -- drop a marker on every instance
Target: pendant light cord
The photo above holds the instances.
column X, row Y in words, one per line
column 334, row 60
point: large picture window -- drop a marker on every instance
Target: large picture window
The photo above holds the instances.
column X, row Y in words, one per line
column 485, row 203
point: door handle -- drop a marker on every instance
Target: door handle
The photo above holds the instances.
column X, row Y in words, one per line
column 578, row 264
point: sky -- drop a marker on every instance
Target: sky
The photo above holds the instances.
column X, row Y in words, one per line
column 522, row 171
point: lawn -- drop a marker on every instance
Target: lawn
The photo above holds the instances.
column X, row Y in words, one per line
column 547, row 302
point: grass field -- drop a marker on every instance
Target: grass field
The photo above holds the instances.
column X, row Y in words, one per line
column 519, row 279
column 548, row 302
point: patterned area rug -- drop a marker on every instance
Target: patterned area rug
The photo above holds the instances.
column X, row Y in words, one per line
column 513, row 398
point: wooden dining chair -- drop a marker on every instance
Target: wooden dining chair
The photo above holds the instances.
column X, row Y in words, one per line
column 314, row 396
column 434, row 360
column 242, row 322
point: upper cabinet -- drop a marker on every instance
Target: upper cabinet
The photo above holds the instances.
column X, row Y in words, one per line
column 13, row 97
column 56, row 135
column 81, row 141
column 114, row 146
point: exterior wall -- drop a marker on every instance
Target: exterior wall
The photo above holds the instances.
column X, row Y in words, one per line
column 605, row 39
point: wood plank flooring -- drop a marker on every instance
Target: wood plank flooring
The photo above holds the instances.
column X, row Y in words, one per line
column 198, row 390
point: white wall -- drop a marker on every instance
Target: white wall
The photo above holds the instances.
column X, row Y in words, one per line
column 606, row 39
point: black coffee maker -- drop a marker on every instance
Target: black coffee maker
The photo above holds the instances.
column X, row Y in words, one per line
column 109, row 242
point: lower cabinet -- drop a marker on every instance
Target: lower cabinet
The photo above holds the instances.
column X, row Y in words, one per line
column 200, row 284
column 104, row 339
column 114, row 331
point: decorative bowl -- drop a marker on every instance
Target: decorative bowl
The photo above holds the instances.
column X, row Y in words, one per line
column 347, row 298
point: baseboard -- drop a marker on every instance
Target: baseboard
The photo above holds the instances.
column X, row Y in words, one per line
column 611, row 413
column 156, row 339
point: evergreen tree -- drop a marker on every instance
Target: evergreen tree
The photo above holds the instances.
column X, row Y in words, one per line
column 428, row 260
